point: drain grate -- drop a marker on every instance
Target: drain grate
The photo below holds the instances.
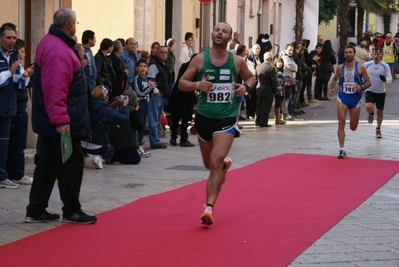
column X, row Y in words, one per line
column 187, row 168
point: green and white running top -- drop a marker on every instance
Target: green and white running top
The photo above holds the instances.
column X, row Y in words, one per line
column 220, row 102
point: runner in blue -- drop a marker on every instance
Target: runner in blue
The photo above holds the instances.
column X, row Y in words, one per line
column 353, row 80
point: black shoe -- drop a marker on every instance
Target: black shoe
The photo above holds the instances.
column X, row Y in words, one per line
column 80, row 218
column 172, row 141
column 267, row 125
column 241, row 118
column 186, row 144
column 45, row 217
column 160, row 145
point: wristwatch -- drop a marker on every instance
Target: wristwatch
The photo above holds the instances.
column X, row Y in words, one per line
column 247, row 86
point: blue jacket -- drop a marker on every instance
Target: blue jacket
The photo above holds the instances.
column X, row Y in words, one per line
column 130, row 64
column 60, row 91
column 90, row 69
column 8, row 98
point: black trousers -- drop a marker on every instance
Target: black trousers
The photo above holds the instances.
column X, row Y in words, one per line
column 50, row 168
column 183, row 129
column 250, row 101
column 263, row 107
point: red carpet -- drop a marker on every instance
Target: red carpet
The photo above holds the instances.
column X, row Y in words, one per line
column 267, row 214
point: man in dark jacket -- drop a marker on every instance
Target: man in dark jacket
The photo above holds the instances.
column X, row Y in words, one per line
column 119, row 69
column 266, row 90
column 59, row 107
column 158, row 72
column 105, row 72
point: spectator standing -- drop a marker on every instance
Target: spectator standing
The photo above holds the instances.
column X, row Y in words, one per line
column 320, row 39
column 171, row 59
column 186, row 49
column 129, row 57
column 265, row 44
column 159, row 73
column 59, row 105
column 154, row 49
column 294, row 105
column 10, row 74
column 143, row 88
column 119, row 68
column 19, row 125
column 250, row 97
column 307, row 81
column 290, row 69
column 278, row 99
column 105, row 72
column 235, row 41
column 362, row 55
column 267, row 78
column 88, row 41
column 181, row 105
column 324, row 70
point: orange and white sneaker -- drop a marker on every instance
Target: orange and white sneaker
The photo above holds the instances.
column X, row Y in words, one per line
column 226, row 166
column 207, row 216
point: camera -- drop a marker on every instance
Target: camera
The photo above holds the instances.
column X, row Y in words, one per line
column 120, row 99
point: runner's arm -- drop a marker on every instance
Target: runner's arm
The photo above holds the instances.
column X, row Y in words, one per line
column 366, row 78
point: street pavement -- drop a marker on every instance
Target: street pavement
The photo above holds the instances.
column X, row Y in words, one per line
column 368, row 236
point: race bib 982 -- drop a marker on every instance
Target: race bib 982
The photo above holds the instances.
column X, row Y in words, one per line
column 220, row 93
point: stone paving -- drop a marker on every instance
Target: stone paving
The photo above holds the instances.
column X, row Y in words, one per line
column 368, row 236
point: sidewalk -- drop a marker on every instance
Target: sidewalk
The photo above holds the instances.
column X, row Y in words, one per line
column 368, row 236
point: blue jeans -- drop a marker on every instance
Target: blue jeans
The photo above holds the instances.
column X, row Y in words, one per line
column 5, row 125
column 142, row 115
column 155, row 108
column 17, row 145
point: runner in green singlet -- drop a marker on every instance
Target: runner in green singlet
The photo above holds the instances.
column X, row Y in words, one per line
column 214, row 73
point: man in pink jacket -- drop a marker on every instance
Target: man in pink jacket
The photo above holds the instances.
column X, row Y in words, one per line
column 59, row 105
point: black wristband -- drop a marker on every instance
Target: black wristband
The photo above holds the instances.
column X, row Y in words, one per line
column 247, row 86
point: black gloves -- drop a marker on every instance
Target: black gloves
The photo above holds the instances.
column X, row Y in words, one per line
column 382, row 78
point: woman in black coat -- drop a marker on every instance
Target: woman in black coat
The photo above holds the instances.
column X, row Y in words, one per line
column 180, row 106
column 324, row 70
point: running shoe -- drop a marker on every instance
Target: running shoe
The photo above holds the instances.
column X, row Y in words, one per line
column 370, row 118
column 207, row 216
column 226, row 165
column 378, row 133
column 342, row 154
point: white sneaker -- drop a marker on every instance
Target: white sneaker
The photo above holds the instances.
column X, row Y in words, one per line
column 8, row 184
column 98, row 162
column 24, row 180
column 143, row 153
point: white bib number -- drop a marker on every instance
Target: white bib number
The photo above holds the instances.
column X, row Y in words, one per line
column 220, row 93
column 349, row 87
